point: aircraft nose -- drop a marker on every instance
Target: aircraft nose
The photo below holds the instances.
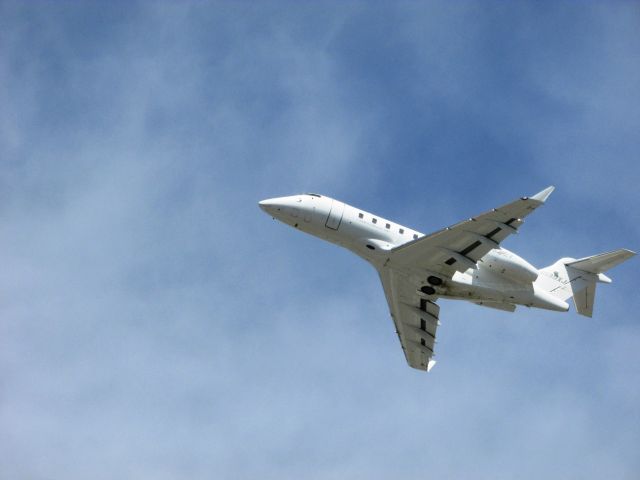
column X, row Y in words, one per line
column 268, row 205
column 277, row 206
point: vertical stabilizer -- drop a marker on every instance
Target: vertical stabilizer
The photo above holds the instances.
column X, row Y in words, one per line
column 584, row 299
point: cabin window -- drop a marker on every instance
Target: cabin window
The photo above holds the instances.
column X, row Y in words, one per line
column 415, row 235
column 388, row 225
column 401, row 230
column 374, row 220
column 360, row 215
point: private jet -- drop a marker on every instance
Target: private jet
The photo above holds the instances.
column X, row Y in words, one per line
column 462, row 262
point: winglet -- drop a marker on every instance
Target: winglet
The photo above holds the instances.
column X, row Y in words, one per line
column 544, row 194
column 430, row 365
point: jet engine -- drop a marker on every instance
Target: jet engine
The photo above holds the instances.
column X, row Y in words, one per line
column 510, row 265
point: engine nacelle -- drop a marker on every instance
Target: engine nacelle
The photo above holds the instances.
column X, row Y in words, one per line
column 503, row 262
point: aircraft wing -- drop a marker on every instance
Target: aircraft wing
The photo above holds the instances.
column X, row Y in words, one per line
column 452, row 249
column 459, row 247
column 415, row 318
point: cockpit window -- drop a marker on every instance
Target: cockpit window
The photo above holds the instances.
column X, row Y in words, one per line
column 314, row 195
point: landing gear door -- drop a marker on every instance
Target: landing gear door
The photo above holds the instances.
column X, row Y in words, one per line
column 335, row 215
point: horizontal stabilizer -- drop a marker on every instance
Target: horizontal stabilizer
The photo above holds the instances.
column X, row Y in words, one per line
column 602, row 262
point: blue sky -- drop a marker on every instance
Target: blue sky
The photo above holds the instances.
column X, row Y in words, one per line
column 154, row 323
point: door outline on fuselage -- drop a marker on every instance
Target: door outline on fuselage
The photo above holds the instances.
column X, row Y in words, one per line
column 334, row 219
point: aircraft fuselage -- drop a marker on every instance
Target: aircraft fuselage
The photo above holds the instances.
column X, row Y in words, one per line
column 501, row 279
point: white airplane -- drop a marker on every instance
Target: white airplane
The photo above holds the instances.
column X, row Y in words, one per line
column 462, row 262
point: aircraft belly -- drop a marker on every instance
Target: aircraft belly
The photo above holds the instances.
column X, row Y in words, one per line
column 467, row 291
column 530, row 297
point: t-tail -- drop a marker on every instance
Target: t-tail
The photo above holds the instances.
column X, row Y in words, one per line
column 569, row 277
